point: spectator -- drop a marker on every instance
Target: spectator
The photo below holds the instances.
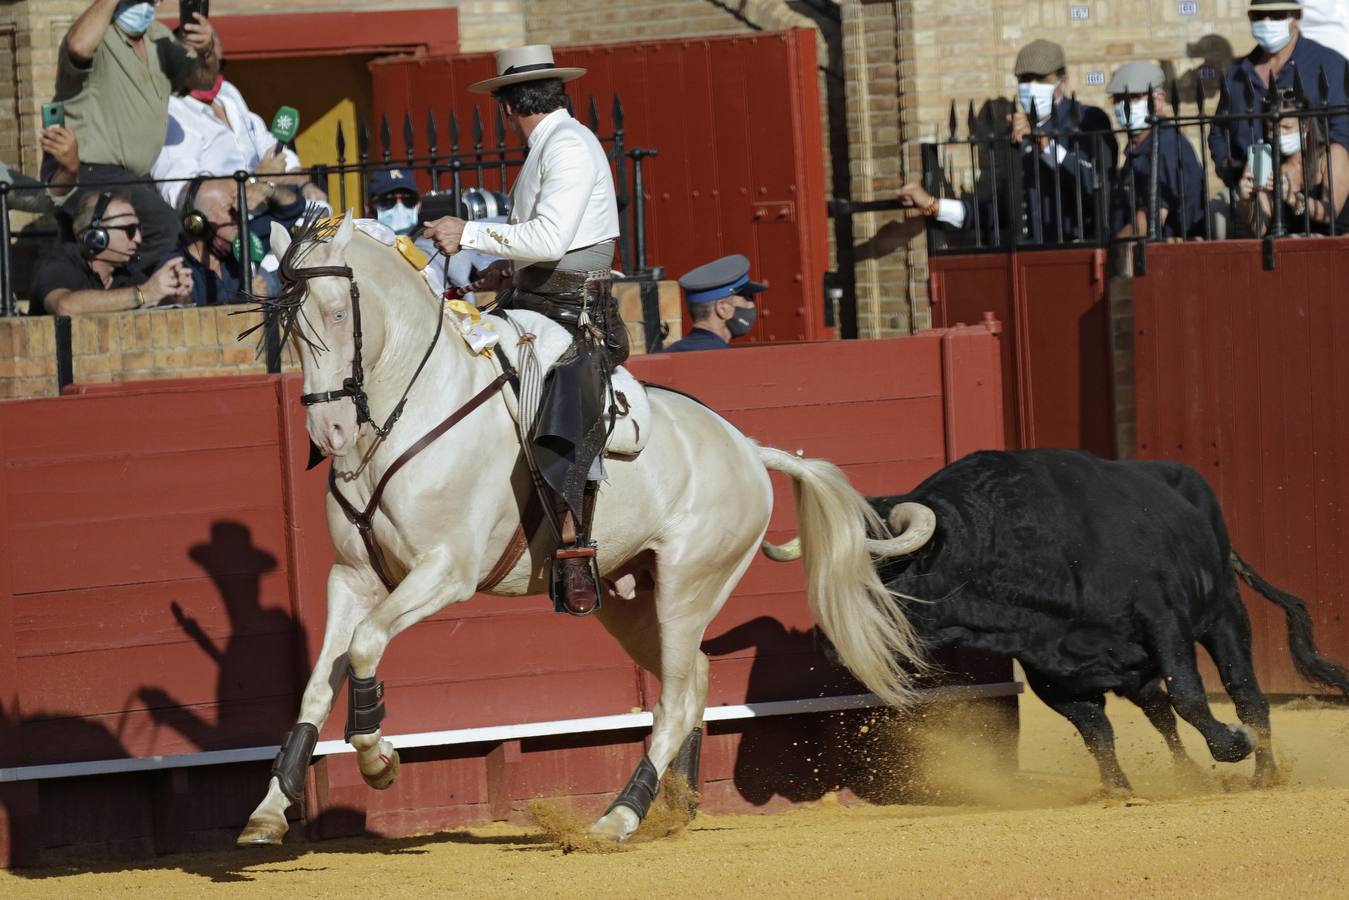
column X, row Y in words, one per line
column 1282, row 54
column 28, row 194
column 212, row 131
column 1310, row 166
column 1180, row 179
column 721, row 303
column 207, row 251
column 1042, row 87
column 116, row 69
column 93, row 274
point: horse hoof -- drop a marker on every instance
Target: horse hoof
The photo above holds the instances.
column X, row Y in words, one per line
column 262, row 833
column 614, row 827
column 384, row 779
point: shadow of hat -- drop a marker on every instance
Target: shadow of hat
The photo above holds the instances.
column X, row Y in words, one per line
column 231, row 549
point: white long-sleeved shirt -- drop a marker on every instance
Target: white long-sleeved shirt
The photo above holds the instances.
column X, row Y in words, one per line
column 1327, row 22
column 199, row 143
column 563, row 199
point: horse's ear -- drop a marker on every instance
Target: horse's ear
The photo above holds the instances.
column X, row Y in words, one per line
column 343, row 236
column 280, row 239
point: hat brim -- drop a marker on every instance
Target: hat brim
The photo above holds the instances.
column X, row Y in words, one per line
column 751, row 287
column 491, row 84
column 1274, row 7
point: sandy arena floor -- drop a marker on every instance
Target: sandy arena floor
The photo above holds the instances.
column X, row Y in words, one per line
column 1039, row 834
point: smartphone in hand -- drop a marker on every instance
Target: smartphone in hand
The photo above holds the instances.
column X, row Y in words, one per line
column 1260, row 163
column 53, row 115
column 186, row 8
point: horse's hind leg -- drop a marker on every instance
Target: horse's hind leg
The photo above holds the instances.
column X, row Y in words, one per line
column 1229, row 643
column 664, row 638
column 346, row 607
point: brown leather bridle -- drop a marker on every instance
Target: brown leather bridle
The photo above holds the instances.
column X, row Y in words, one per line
column 354, row 387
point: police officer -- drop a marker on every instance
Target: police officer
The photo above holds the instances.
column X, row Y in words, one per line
column 1180, row 180
column 721, row 303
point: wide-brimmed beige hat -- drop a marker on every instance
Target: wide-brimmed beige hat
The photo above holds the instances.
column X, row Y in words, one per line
column 529, row 63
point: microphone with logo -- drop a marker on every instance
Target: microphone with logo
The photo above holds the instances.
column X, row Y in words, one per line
column 285, row 125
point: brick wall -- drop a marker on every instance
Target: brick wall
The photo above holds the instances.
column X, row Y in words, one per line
column 192, row 343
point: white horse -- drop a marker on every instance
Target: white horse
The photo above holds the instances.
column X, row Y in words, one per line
column 677, row 525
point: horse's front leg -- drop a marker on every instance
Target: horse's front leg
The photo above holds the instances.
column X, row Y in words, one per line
column 428, row 588
column 351, row 594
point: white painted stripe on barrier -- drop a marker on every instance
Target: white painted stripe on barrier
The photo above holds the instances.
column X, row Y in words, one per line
column 491, row 733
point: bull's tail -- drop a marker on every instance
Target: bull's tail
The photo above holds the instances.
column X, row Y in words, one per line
column 866, row 623
column 1310, row 665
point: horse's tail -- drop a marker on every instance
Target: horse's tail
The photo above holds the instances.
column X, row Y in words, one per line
column 865, row 622
column 1301, row 646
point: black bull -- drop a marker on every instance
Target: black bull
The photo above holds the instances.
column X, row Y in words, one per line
column 1098, row 576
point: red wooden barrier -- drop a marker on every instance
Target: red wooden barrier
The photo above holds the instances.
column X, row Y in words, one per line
column 1056, row 352
column 1241, row 373
column 163, row 593
column 736, row 121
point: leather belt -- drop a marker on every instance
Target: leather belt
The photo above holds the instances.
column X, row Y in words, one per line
column 550, row 281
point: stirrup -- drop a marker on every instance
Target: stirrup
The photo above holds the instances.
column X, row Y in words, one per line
column 567, row 566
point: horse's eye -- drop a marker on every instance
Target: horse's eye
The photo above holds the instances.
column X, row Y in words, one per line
column 339, row 315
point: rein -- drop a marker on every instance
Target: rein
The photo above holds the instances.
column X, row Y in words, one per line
column 354, row 387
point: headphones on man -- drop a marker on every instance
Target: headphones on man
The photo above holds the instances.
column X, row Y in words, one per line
column 194, row 222
column 94, row 239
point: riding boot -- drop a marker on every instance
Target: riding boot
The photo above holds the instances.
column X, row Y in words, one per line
column 575, row 581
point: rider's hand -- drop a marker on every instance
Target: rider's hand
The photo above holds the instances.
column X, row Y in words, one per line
column 445, row 233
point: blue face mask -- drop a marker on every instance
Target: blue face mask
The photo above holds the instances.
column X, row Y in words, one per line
column 402, row 219
column 1272, row 34
column 136, row 18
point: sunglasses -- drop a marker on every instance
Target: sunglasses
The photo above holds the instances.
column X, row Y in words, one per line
column 129, row 230
column 387, row 201
column 1276, row 15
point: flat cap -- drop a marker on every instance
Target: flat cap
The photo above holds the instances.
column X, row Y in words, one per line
column 1040, row 57
column 1276, row 6
column 719, row 278
column 1137, row 77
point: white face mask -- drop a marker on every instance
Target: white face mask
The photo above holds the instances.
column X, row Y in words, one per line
column 1272, row 34
column 402, row 219
column 1132, row 116
column 1290, row 143
column 1042, row 95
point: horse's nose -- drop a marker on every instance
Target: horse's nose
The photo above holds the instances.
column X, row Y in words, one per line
column 337, row 437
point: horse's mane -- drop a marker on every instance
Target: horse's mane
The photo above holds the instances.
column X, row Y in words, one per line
column 286, row 309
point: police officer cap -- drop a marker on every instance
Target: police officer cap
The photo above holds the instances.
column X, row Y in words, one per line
column 386, row 181
column 717, row 279
column 1137, row 77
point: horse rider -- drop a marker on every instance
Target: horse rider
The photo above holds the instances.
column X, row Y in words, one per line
column 720, row 298
column 556, row 251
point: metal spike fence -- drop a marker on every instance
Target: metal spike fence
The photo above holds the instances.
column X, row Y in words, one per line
column 456, row 173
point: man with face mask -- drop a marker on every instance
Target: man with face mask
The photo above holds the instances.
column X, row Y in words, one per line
column 1045, row 130
column 1180, row 179
column 721, row 305
column 1282, row 55
column 560, row 241
column 116, row 69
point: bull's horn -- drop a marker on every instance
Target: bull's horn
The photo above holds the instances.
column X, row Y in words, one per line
column 913, row 525
column 783, row 552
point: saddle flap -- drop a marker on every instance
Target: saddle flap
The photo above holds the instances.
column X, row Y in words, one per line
column 628, row 403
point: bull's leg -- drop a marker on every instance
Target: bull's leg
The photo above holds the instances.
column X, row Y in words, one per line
column 1229, row 643
column 667, row 645
column 349, row 597
column 1088, row 717
column 1174, row 650
column 1156, row 705
column 426, row 590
